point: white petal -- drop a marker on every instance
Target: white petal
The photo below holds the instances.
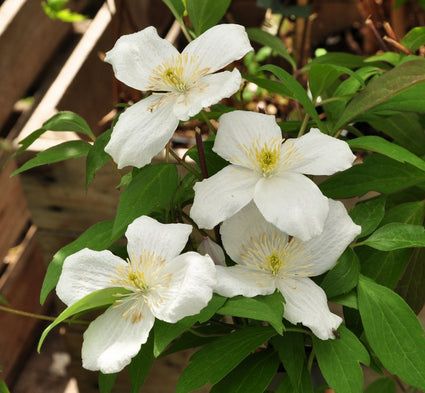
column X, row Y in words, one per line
column 190, row 288
column 242, row 128
column 321, row 154
column 135, row 56
column 293, row 203
column 165, row 240
column 111, row 341
column 222, row 195
column 84, row 272
column 339, row 231
column 141, row 133
column 238, row 230
column 209, row 90
column 238, row 280
column 219, row 46
column 306, row 303
column 213, row 250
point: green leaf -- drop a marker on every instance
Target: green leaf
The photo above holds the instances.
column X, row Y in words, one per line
column 386, row 148
column 383, row 267
column 382, row 89
column 97, row 299
column 214, row 361
column 291, row 351
column 377, row 173
column 405, row 129
column 3, row 387
column 347, row 300
column 214, row 162
column 411, row 286
column 4, row 301
column 206, row 13
column 297, row 92
column 266, row 39
column 414, row 39
column 62, row 121
column 252, row 375
column 409, row 213
column 337, row 58
column 395, row 236
column 368, row 214
column 97, row 157
column 262, row 308
column 98, row 237
column 62, row 152
column 152, row 188
column 383, row 385
column 393, row 331
column 344, row 276
column 167, row 332
column 141, row 364
column 106, row 382
column 339, row 361
column 177, row 8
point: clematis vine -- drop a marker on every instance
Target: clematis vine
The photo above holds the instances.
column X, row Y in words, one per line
column 160, row 284
column 181, row 84
column 270, row 171
column 268, row 259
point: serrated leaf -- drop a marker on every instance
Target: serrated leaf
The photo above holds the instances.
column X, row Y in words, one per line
column 152, row 188
column 205, row 14
column 383, row 385
column 262, row 308
column 297, row 92
column 106, row 382
column 214, row 361
column 167, row 332
column 266, row 39
column 344, row 276
column 411, row 286
column 62, row 152
column 339, row 361
column 377, row 173
column 368, row 214
column 141, row 364
column 393, row 331
column 382, row 89
column 97, row 299
column 386, row 148
column 98, row 237
column 395, row 236
column 252, row 375
column 97, row 157
column 414, row 39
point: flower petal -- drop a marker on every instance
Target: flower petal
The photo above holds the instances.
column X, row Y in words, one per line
column 238, row 280
column 219, row 46
column 238, row 230
column 165, row 240
column 190, row 288
column 135, row 56
column 209, row 90
column 84, row 272
column 243, row 128
column 293, row 203
column 321, row 154
column 111, row 341
column 306, row 302
column 142, row 131
column 339, row 231
column 222, row 195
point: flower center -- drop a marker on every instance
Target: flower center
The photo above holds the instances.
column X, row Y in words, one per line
column 177, row 75
column 145, row 278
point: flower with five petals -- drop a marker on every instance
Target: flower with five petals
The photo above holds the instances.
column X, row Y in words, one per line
column 270, row 173
column 181, row 84
column 160, row 284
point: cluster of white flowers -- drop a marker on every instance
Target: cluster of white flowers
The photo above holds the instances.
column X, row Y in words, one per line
column 276, row 225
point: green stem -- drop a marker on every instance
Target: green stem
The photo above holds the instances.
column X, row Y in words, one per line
column 304, row 125
column 208, row 122
column 310, row 360
column 38, row 316
column 194, row 225
column 201, row 153
column 184, row 164
column 196, row 333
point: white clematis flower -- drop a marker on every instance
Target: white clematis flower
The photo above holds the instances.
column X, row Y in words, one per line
column 267, row 259
column 162, row 284
column 269, row 172
column 182, row 84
